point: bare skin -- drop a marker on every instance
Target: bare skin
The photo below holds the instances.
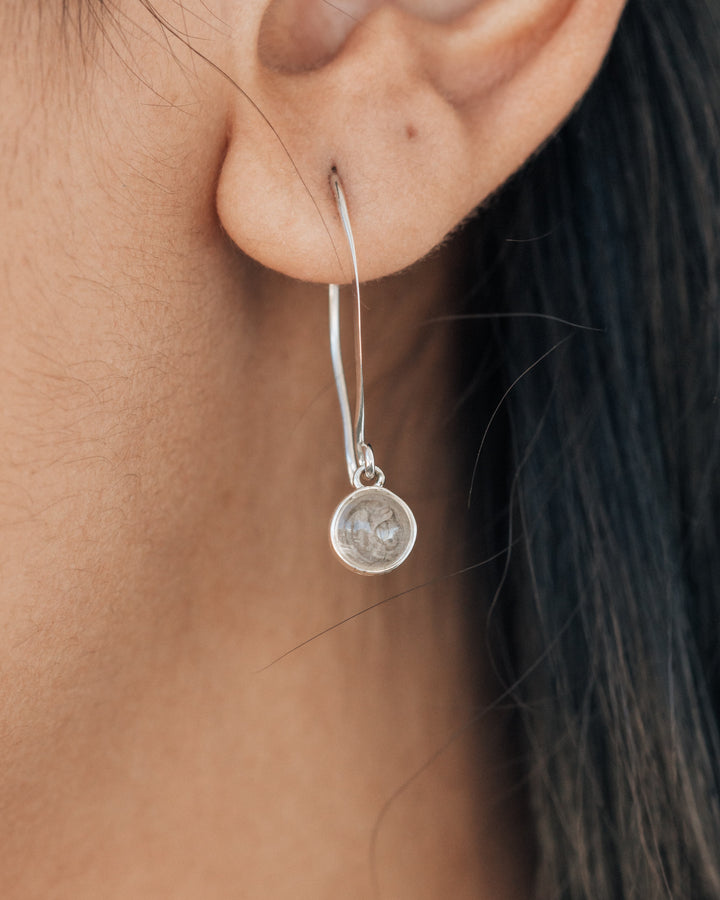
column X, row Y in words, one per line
column 170, row 456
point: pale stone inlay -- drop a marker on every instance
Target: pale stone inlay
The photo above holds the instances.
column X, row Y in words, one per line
column 373, row 530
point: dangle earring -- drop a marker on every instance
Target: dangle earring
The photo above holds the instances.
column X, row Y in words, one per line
column 372, row 530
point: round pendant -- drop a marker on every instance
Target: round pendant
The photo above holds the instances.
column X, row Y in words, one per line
column 373, row 531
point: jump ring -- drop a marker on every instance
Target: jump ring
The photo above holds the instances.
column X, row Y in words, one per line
column 366, row 461
column 360, row 472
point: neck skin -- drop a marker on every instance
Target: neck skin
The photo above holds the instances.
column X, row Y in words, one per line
column 171, row 456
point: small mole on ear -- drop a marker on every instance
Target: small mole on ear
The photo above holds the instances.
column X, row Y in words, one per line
column 411, row 132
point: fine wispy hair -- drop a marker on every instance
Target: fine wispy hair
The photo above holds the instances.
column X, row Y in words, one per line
column 605, row 625
column 609, row 609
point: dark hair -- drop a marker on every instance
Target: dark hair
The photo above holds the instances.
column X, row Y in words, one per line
column 606, row 618
column 610, row 596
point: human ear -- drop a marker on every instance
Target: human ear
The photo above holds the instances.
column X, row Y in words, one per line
column 422, row 106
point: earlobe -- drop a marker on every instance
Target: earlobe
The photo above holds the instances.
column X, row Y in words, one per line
column 422, row 118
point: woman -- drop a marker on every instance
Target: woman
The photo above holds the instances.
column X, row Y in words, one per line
column 198, row 700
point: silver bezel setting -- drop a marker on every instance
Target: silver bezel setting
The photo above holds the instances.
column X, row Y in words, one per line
column 359, row 558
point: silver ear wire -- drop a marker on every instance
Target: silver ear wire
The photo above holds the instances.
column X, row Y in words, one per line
column 356, row 450
column 372, row 530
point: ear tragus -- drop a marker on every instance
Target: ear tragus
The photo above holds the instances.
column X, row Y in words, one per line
column 301, row 35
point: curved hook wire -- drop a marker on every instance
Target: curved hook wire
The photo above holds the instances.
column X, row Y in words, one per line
column 357, row 453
